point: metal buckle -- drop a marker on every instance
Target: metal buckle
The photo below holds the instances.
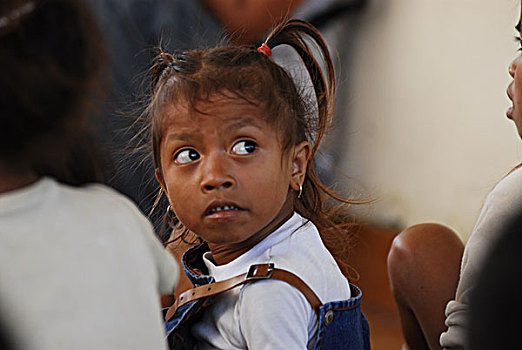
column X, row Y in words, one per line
column 260, row 272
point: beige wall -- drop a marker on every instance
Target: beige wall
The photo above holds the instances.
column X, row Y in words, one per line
column 428, row 136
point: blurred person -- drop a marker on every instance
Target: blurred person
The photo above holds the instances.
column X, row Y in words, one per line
column 432, row 294
column 80, row 266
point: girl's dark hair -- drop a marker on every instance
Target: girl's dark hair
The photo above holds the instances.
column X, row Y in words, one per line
column 50, row 63
column 243, row 72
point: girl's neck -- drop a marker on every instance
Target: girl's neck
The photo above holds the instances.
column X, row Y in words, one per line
column 223, row 254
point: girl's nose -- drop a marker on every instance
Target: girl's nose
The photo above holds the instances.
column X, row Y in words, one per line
column 216, row 174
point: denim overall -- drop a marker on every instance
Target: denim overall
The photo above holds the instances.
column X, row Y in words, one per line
column 341, row 323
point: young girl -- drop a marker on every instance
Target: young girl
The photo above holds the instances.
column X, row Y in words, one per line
column 80, row 267
column 234, row 143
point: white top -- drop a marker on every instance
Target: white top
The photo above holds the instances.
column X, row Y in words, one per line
column 501, row 203
column 80, row 268
column 272, row 314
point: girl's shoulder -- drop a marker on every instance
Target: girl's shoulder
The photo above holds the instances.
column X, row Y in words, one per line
column 303, row 253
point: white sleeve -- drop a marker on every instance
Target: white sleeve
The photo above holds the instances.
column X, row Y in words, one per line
column 274, row 315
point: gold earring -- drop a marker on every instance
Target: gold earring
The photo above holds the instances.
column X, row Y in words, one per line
column 300, row 191
column 170, row 212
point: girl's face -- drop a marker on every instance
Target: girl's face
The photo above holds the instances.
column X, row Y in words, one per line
column 224, row 171
column 514, row 90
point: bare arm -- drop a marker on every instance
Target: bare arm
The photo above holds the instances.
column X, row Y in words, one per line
column 246, row 21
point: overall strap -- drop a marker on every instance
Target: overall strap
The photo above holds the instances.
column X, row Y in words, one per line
column 255, row 273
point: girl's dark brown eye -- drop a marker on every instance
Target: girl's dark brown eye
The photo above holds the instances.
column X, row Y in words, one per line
column 244, row 147
column 186, row 156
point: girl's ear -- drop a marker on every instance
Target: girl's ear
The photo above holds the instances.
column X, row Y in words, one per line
column 159, row 177
column 299, row 164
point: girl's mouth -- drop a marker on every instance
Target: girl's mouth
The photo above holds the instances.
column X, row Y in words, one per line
column 223, row 208
column 216, row 208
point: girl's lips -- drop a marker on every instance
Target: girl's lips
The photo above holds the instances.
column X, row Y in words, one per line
column 222, row 208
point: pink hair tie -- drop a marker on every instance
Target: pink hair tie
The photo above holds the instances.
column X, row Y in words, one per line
column 265, row 50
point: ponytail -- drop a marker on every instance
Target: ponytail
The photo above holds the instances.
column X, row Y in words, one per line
column 333, row 221
column 291, row 33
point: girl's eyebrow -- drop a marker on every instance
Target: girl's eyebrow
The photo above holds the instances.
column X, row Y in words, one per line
column 243, row 122
column 189, row 136
column 181, row 136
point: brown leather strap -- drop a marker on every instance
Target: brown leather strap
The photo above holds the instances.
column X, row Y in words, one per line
column 255, row 273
